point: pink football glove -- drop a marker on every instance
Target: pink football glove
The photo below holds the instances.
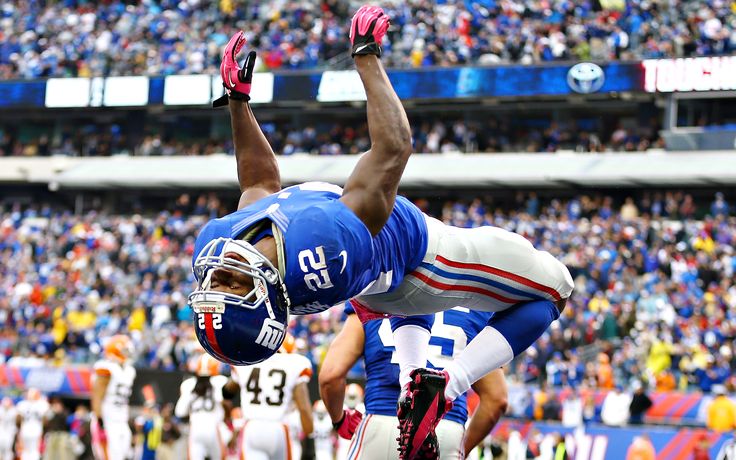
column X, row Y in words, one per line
column 367, row 29
column 235, row 79
column 346, row 427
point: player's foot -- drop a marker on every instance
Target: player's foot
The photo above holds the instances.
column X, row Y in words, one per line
column 420, row 409
column 430, row 449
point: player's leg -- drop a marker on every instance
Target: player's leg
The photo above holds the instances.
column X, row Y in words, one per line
column 371, row 189
column 196, row 449
column 450, row 437
column 6, row 445
column 31, row 448
column 411, row 339
column 266, row 440
column 375, row 439
column 113, row 449
column 99, row 441
column 507, row 334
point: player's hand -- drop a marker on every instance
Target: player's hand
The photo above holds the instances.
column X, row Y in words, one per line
column 367, row 29
column 235, row 79
column 99, row 428
column 308, row 449
column 349, row 422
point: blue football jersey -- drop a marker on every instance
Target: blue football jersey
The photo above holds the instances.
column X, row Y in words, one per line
column 330, row 255
column 451, row 332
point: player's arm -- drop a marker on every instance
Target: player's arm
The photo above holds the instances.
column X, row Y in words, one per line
column 102, row 380
column 304, row 406
column 342, row 355
column 493, row 395
column 181, row 410
column 370, row 191
column 258, row 172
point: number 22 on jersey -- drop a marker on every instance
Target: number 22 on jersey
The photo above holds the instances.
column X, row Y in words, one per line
column 316, row 274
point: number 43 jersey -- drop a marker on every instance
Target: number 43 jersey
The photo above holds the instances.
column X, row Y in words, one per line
column 267, row 389
column 327, row 254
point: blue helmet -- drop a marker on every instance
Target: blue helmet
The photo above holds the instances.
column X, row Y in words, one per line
column 239, row 329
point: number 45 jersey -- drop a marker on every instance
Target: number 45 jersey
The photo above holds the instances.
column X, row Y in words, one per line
column 326, row 253
column 267, row 389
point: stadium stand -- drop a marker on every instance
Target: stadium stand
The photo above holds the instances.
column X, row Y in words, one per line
column 70, row 38
column 431, row 135
column 654, row 286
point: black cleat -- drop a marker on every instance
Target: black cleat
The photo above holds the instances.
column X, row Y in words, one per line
column 420, row 409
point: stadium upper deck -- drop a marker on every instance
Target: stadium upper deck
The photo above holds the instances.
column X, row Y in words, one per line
column 75, row 38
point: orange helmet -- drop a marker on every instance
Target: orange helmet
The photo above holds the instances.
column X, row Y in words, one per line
column 33, row 394
column 353, row 395
column 206, row 366
column 119, row 348
column 289, row 344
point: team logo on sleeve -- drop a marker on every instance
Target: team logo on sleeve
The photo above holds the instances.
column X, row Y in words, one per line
column 271, row 335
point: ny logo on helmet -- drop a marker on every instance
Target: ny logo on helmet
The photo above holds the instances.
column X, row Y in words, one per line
column 271, row 335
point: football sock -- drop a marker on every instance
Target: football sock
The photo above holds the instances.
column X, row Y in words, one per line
column 411, row 338
column 507, row 334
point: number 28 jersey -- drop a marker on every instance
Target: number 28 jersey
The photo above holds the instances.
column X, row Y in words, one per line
column 329, row 254
column 115, row 403
column 267, row 389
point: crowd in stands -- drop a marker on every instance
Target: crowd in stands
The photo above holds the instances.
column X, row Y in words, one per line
column 341, row 138
column 655, row 298
column 163, row 37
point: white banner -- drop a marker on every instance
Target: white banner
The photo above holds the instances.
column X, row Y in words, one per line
column 67, row 92
column 125, row 91
column 187, row 90
column 341, row 86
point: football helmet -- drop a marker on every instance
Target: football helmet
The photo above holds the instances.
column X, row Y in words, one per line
column 289, row 345
column 206, row 366
column 118, row 348
column 245, row 328
column 353, row 395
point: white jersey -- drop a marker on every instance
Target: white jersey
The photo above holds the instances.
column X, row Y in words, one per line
column 32, row 414
column 8, row 417
column 203, row 410
column 323, row 439
column 115, row 403
column 267, row 389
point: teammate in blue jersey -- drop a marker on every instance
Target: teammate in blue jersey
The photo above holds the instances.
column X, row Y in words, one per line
column 375, row 437
column 304, row 248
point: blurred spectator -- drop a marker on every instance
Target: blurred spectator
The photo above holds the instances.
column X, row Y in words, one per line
column 431, row 133
column 604, row 372
column 719, row 207
column 721, row 415
column 572, row 410
column 81, row 438
column 560, row 450
column 552, row 409
column 170, row 432
column 641, row 448
column 701, row 450
column 615, row 410
column 163, row 38
column 541, row 396
column 640, row 404
column 57, row 439
column 149, row 427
